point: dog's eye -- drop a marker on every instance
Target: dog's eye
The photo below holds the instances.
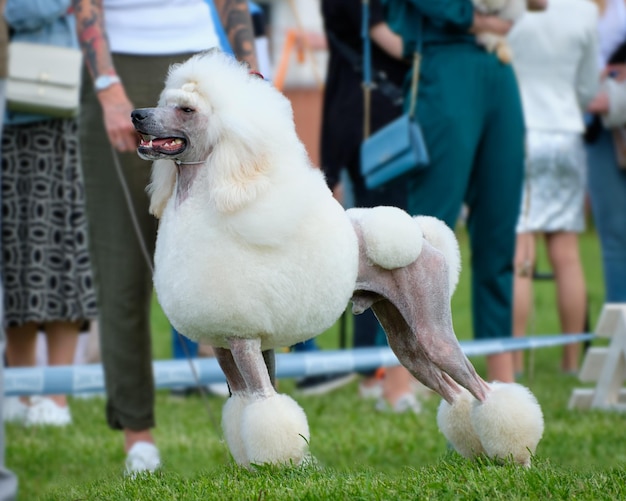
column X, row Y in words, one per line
column 187, row 110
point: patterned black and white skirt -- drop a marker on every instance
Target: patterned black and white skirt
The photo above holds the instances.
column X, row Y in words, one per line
column 46, row 268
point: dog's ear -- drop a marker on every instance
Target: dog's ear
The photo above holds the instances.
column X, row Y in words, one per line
column 161, row 187
column 237, row 174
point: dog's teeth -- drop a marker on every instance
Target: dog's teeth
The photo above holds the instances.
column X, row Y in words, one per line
column 150, row 144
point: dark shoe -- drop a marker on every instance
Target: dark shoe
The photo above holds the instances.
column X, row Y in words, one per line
column 325, row 383
column 184, row 391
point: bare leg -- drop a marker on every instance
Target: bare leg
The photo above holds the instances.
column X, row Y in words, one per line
column 396, row 384
column 21, row 345
column 131, row 437
column 571, row 292
column 62, row 338
column 525, row 256
column 500, row 367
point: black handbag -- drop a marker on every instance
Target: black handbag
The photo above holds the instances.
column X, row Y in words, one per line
column 397, row 149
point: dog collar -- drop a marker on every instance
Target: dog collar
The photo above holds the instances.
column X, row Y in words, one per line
column 178, row 162
column 257, row 74
column 200, row 162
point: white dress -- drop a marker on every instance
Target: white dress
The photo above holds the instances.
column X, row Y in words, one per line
column 555, row 56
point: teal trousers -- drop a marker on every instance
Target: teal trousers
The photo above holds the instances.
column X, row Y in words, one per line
column 471, row 116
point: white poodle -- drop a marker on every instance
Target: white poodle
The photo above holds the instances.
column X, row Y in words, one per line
column 253, row 253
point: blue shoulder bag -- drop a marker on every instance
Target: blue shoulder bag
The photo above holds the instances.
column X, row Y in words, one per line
column 397, row 149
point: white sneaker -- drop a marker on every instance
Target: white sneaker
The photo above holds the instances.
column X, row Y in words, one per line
column 14, row 410
column 143, row 457
column 45, row 412
column 372, row 391
column 406, row 402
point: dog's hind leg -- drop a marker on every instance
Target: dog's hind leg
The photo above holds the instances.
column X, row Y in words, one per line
column 260, row 425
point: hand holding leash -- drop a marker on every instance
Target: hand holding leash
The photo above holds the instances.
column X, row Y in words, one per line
column 116, row 110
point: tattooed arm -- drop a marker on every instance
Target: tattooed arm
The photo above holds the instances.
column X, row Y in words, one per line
column 237, row 23
column 116, row 107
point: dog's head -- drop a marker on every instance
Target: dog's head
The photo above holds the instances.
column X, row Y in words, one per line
column 213, row 111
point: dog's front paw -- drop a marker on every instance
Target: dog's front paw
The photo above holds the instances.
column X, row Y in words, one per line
column 275, row 430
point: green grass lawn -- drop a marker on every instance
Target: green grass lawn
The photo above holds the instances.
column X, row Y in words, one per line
column 361, row 454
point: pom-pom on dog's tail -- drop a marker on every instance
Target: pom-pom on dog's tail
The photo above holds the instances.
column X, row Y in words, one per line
column 507, row 425
column 392, row 239
column 438, row 234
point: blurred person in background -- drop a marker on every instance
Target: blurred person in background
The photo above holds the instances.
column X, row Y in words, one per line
column 470, row 112
column 46, row 269
column 606, row 149
column 8, row 480
column 555, row 62
column 129, row 46
column 343, row 120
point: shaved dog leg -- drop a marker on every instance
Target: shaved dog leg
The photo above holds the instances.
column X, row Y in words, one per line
column 412, row 304
column 270, row 362
column 249, row 359
column 224, row 357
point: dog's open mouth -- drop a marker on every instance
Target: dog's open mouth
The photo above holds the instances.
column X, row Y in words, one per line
column 158, row 146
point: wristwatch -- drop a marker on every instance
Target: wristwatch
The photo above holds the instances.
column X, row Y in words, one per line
column 103, row 82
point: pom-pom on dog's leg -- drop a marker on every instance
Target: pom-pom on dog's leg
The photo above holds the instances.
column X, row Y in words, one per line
column 509, row 422
column 454, row 422
column 275, row 430
column 232, row 425
column 260, row 426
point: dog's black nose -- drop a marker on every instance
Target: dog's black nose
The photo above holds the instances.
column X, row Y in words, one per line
column 140, row 114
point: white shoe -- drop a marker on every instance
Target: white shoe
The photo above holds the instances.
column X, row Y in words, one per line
column 45, row 412
column 372, row 391
column 406, row 402
column 143, row 457
column 14, row 410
